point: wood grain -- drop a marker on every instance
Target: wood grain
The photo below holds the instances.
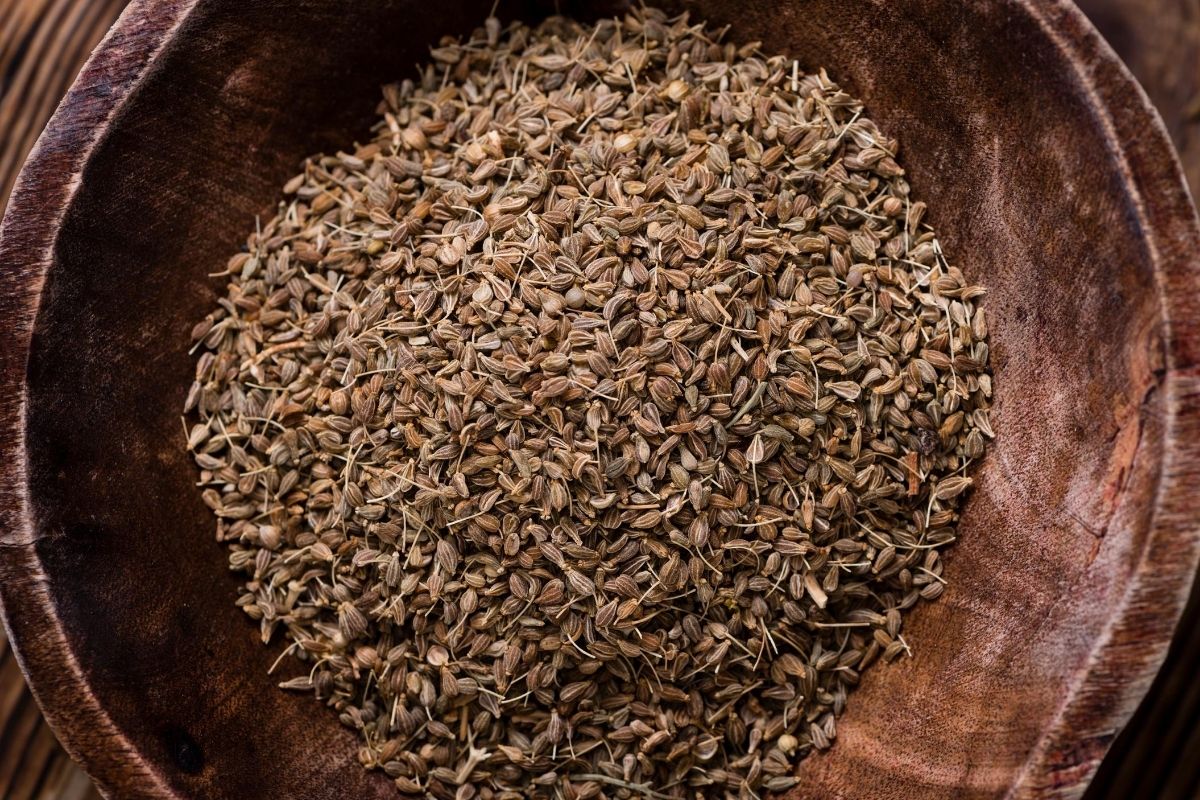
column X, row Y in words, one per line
column 33, row 766
column 1158, row 753
column 42, row 45
column 1160, row 41
column 42, row 42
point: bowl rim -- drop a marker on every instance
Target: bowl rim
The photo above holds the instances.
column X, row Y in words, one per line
column 1095, row 705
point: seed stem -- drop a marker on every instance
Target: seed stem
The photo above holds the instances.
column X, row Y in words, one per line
column 641, row 788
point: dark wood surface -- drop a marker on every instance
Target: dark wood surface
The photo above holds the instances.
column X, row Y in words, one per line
column 32, row 764
column 1160, row 41
column 43, row 43
column 1158, row 754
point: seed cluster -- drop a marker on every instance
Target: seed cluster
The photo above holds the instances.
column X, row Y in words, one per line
column 588, row 431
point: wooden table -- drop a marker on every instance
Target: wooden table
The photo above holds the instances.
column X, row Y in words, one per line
column 1158, row 754
column 42, row 45
column 32, row 764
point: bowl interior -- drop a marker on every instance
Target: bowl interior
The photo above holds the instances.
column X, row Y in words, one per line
column 998, row 136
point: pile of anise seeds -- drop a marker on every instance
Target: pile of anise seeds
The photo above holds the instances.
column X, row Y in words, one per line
column 588, row 431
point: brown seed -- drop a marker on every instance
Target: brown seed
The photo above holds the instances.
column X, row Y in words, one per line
column 616, row 348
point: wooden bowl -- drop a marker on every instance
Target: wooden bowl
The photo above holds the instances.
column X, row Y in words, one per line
column 1047, row 173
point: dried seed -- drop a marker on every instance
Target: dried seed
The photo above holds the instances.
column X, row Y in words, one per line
column 615, row 350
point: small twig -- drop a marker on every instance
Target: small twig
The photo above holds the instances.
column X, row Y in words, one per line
column 637, row 787
column 751, row 403
column 270, row 351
